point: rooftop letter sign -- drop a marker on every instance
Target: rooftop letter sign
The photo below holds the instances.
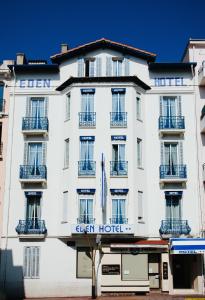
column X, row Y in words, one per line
column 35, row 83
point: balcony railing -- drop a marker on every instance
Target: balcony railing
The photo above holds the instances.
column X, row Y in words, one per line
column 33, row 172
column 2, row 106
column 31, row 226
column 87, row 119
column 171, row 122
column 118, row 168
column 118, row 119
column 174, row 227
column 86, row 168
column 172, row 171
column 30, row 124
column 118, row 220
column 86, row 220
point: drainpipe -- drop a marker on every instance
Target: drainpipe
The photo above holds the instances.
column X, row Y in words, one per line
column 11, row 129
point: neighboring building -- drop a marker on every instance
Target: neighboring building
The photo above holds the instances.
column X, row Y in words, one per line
column 4, row 108
column 106, row 160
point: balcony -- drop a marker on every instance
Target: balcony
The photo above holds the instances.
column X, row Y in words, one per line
column 201, row 74
column 35, row 126
column 87, row 120
column 118, row 119
column 2, row 107
column 86, row 168
column 1, row 151
column 119, row 220
column 173, row 173
column 31, row 227
column 118, row 168
column 86, row 220
column 171, row 125
column 173, row 227
column 31, row 173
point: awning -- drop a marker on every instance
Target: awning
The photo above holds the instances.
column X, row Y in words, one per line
column 147, row 244
column 187, row 246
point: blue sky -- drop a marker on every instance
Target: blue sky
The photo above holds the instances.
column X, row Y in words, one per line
column 38, row 27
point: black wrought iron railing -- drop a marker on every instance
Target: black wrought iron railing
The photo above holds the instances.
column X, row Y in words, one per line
column 118, row 119
column 33, row 172
column 31, row 226
column 172, row 171
column 174, row 227
column 171, row 122
column 87, row 119
column 86, row 220
column 30, row 123
column 118, row 220
column 86, row 168
column 118, row 168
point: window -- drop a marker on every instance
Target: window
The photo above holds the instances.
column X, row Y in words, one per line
column 118, row 164
column 170, row 106
column 36, row 107
column 86, row 210
column 139, row 153
column 86, row 155
column 33, row 211
column 87, row 116
column 117, row 66
column 65, row 207
column 84, row 263
column 67, row 107
column 89, row 67
column 31, row 262
column 134, row 267
column 118, row 211
column 35, row 155
column 1, row 97
column 0, row 139
column 140, row 206
column 138, row 106
column 173, row 208
column 66, row 153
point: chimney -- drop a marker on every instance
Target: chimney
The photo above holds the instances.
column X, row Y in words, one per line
column 20, row 58
column 64, row 48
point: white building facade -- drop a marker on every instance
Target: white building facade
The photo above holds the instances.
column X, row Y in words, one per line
column 104, row 171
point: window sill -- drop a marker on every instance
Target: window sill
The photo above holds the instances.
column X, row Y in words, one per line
column 140, row 168
column 64, row 222
column 65, row 168
column 140, row 120
column 141, row 222
column 66, row 120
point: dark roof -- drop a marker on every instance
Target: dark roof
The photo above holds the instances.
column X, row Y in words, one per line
column 122, row 79
column 171, row 66
column 28, row 68
column 103, row 43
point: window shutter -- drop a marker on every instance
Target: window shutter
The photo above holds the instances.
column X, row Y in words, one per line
column 161, row 106
column 37, row 259
column 140, row 206
column 98, row 66
column 44, row 153
column 179, row 106
column 80, row 67
column 108, row 66
column 46, row 106
column 162, row 152
column 126, row 67
column 180, row 153
column 28, row 106
column 65, row 207
column 25, row 158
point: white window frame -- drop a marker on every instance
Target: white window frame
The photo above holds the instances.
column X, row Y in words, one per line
column 140, row 204
column 31, row 262
column 139, row 153
column 117, row 61
column 86, row 197
column 65, row 207
column 67, row 107
column 119, row 197
column 66, row 153
column 139, row 108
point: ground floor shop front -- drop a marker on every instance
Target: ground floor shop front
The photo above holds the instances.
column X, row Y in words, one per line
column 65, row 267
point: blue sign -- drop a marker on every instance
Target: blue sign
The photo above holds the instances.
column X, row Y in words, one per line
column 87, row 138
column 102, row 229
column 119, row 90
column 173, row 193
column 29, row 194
column 169, row 81
column 119, row 191
column 86, row 191
column 118, row 137
column 87, row 91
column 35, row 83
